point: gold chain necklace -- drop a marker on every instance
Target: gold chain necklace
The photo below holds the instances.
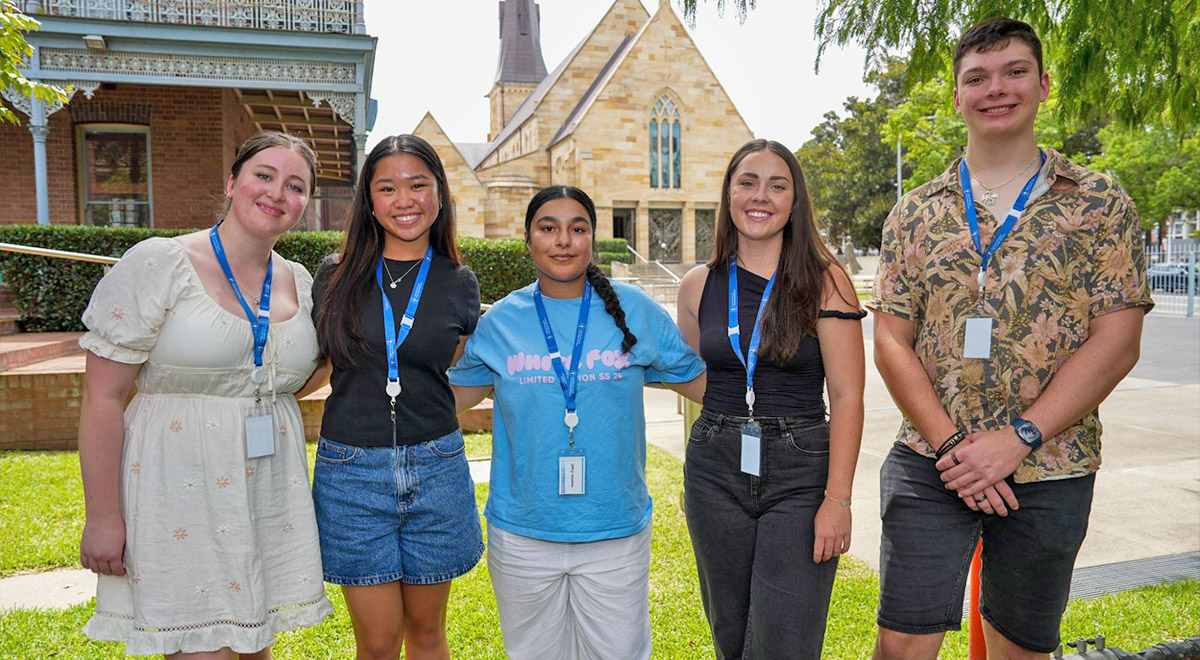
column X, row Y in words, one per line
column 989, row 196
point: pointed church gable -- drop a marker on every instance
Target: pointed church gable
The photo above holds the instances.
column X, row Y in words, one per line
column 466, row 189
column 616, row 123
column 560, row 92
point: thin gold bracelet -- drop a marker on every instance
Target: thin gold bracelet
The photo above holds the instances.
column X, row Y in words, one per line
column 845, row 504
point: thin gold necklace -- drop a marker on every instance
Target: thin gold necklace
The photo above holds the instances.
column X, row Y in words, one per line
column 989, row 196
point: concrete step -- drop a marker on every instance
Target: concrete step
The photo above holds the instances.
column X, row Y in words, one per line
column 8, row 322
column 23, row 349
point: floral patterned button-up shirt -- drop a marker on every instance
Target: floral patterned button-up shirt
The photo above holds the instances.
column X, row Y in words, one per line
column 1074, row 255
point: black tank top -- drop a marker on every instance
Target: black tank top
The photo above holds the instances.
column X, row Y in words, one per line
column 791, row 389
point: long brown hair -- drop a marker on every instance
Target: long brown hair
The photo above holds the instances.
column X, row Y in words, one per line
column 804, row 261
column 339, row 325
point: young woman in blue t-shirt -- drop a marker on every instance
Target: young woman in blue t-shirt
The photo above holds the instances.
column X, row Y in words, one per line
column 568, row 510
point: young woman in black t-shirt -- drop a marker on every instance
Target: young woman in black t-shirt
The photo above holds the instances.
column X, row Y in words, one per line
column 394, row 497
column 767, row 480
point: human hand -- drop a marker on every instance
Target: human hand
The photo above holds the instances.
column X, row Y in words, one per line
column 102, row 548
column 987, row 458
column 832, row 528
column 997, row 499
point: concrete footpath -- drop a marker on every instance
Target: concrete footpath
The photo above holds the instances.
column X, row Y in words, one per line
column 1147, row 497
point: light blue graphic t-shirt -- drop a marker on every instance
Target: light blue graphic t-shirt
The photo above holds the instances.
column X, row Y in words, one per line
column 508, row 351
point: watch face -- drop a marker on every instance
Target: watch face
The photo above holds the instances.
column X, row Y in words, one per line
column 1028, row 433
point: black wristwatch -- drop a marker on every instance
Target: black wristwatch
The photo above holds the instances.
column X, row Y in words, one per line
column 1028, row 434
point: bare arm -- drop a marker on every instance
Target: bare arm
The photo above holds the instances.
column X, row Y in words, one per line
column 318, row 379
column 106, row 385
column 1080, row 385
column 692, row 389
column 906, row 379
column 842, row 353
column 687, row 305
column 467, row 397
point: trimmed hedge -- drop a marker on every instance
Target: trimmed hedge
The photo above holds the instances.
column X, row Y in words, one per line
column 51, row 294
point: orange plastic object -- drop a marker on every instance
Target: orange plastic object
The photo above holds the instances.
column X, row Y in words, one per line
column 977, row 647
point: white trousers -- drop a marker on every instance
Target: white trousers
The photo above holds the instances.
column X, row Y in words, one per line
column 572, row 601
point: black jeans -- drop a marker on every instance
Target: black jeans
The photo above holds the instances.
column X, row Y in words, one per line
column 753, row 536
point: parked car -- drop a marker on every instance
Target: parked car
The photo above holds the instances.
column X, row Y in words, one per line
column 1172, row 277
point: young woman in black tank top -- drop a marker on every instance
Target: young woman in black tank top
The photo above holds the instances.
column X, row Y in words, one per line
column 767, row 492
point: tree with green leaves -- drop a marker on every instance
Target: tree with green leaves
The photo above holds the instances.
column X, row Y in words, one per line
column 15, row 51
column 849, row 169
column 1157, row 167
column 1127, row 60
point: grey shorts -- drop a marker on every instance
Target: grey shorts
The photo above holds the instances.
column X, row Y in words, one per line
column 929, row 536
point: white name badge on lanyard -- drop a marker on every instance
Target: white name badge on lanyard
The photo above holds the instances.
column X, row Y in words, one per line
column 260, row 436
column 572, row 475
column 978, row 341
column 752, row 449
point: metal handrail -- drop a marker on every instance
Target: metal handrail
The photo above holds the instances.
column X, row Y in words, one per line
column 674, row 278
column 58, row 254
column 635, row 253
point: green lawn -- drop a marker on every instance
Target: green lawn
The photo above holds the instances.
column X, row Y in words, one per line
column 41, row 503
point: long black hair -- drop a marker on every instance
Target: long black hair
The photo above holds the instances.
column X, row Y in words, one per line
column 804, row 261
column 339, row 321
column 595, row 276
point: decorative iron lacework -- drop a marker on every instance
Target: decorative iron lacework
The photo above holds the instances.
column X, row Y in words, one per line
column 666, row 235
column 208, row 624
column 343, row 104
column 299, row 15
column 705, row 232
column 25, row 105
column 191, row 66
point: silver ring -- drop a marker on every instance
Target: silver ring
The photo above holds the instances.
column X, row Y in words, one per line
column 980, row 498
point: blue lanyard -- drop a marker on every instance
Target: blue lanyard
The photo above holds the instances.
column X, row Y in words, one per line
column 1002, row 231
column 260, row 324
column 568, row 380
column 393, row 338
column 749, row 362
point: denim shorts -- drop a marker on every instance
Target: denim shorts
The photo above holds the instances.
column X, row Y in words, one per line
column 387, row 514
column 929, row 536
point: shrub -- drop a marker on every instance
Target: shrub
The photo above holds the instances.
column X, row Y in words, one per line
column 52, row 293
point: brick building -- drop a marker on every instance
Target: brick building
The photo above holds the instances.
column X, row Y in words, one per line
column 633, row 115
column 164, row 91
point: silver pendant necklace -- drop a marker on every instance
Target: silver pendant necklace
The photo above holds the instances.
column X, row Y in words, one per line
column 989, row 195
column 400, row 279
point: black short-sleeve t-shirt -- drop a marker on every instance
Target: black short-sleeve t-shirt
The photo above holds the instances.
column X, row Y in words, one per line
column 358, row 411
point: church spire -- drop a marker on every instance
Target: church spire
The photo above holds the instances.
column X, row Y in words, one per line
column 520, row 43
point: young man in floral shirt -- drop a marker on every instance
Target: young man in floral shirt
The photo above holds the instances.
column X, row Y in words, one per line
column 998, row 336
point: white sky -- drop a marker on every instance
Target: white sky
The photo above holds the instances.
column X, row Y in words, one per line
column 440, row 55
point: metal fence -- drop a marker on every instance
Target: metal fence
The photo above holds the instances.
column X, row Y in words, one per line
column 1173, row 278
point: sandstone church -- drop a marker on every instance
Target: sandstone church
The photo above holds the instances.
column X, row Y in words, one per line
column 633, row 115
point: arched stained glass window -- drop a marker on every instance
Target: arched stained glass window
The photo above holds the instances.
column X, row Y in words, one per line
column 666, row 136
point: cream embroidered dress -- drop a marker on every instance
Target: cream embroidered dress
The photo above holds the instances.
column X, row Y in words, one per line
column 220, row 550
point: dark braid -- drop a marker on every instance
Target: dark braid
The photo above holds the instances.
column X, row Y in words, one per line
column 612, row 304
